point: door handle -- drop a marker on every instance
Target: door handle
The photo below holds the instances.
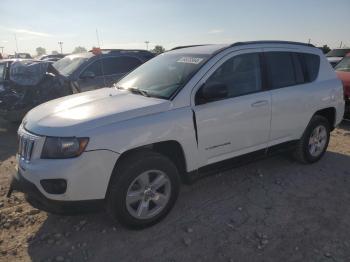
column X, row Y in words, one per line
column 260, row 103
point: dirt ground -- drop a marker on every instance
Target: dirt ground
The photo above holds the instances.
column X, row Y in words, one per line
column 271, row 210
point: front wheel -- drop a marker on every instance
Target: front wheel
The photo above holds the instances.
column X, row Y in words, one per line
column 314, row 142
column 143, row 189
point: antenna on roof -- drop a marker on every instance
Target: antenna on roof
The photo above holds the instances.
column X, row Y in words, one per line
column 98, row 39
column 16, row 43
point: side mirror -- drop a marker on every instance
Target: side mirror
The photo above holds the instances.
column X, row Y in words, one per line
column 87, row 75
column 211, row 92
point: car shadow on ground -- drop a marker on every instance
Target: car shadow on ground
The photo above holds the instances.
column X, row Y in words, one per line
column 8, row 139
column 271, row 210
column 345, row 125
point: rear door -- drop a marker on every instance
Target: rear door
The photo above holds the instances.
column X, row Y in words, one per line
column 291, row 91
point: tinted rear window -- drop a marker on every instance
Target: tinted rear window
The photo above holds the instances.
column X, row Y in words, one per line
column 290, row 68
column 281, row 69
column 312, row 66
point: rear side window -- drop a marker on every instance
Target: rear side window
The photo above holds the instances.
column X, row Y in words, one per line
column 119, row 65
column 281, row 69
column 312, row 66
column 289, row 68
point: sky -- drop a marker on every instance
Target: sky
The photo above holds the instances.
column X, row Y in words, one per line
column 128, row 24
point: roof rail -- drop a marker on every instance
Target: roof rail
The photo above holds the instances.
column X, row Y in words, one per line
column 122, row 50
column 184, row 46
column 270, row 42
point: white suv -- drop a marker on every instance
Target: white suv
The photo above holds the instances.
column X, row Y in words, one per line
column 128, row 148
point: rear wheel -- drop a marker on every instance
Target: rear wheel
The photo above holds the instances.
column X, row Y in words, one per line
column 143, row 189
column 314, row 142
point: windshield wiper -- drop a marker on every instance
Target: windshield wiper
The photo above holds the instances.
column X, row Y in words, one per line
column 138, row 91
column 118, row 87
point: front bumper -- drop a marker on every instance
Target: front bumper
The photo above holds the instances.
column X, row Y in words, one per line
column 38, row 200
column 87, row 176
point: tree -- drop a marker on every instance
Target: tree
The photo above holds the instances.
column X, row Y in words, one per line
column 158, row 49
column 40, row 51
column 325, row 49
column 79, row 49
column 54, row 52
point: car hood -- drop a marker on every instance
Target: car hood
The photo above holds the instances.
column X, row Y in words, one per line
column 77, row 113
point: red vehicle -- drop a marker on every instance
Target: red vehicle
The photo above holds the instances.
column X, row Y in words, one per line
column 343, row 71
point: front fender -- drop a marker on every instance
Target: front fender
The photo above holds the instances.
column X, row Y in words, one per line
column 174, row 125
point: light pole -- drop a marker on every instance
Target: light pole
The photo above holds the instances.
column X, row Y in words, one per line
column 146, row 42
column 60, row 44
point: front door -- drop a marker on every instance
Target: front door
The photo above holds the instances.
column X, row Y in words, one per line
column 239, row 123
column 92, row 77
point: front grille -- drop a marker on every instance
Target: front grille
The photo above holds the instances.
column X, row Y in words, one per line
column 26, row 144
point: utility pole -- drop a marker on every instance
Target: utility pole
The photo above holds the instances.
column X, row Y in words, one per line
column 309, row 40
column 146, row 42
column 341, row 43
column 60, row 44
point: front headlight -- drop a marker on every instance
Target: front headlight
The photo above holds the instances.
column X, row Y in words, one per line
column 63, row 147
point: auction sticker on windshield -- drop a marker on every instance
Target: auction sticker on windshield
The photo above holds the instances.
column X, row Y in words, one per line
column 190, row 60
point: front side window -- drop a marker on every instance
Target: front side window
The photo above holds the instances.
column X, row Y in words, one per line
column 344, row 65
column 240, row 74
column 119, row 65
column 163, row 75
column 95, row 68
column 281, row 69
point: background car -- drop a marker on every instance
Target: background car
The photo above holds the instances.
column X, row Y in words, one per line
column 52, row 58
column 20, row 56
column 99, row 67
column 343, row 72
column 26, row 83
column 335, row 55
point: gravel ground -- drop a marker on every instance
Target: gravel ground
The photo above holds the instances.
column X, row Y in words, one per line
column 271, row 210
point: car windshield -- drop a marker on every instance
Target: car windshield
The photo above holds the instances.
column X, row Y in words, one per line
column 338, row 52
column 67, row 65
column 163, row 75
column 343, row 65
column 2, row 71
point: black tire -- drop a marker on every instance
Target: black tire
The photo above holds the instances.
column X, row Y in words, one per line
column 302, row 152
column 127, row 170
